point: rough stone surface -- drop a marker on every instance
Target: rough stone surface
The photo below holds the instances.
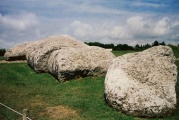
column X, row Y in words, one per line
column 66, row 64
column 18, row 52
column 143, row 84
column 37, row 57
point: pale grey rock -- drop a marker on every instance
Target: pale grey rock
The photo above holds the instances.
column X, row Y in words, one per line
column 143, row 84
column 71, row 63
column 19, row 52
column 37, row 56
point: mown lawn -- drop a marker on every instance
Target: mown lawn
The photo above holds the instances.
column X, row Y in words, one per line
column 1, row 58
column 21, row 87
column 81, row 99
column 176, row 53
column 122, row 52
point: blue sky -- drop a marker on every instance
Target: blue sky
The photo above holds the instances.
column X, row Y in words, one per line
column 107, row 21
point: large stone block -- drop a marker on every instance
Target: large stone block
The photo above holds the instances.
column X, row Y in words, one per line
column 143, row 84
column 71, row 63
column 19, row 52
column 38, row 56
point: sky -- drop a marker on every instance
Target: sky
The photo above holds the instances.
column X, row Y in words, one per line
column 107, row 21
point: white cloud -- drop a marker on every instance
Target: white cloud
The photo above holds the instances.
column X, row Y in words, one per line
column 175, row 24
column 100, row 20
column 89, row 31
column 119, row 32
column 147, row 4
column 80, row 29
column 136, row 29
column 141, row 27
column 138, row 26
column 17, row 28
column 19, row 22
column 162, row 27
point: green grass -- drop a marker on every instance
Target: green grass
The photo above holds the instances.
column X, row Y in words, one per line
column 119, row 53
column 1, row 58
column 176, row 53
column 21, row 87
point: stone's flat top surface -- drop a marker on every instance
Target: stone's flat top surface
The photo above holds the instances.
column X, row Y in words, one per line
column 57, row 41
column 46, row 43
column 147, row 65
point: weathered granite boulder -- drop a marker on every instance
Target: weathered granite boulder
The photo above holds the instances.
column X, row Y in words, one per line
column 37, row 56
column 19, row 52
column 143, row 84
column 71, row 63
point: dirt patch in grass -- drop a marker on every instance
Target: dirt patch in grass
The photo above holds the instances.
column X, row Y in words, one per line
column 38, row 102
column 60, row 113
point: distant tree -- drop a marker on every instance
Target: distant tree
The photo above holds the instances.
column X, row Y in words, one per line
column 123, row 47
column 146, row 46
column 95, row 44
column 2, row 52
column 178, row 45
column 173, row 47
column 118, row 47
column 163, row 43
column 137, row 47
column 156, row 43
column 109, row 46
column 142, row 47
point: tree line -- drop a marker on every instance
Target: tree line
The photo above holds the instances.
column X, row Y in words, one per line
column 137, row 47
column 2, row 52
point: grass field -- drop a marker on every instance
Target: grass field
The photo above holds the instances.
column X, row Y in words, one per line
column 119, row 53
column 176, row 53
column 1, row 58
column 47, row 99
